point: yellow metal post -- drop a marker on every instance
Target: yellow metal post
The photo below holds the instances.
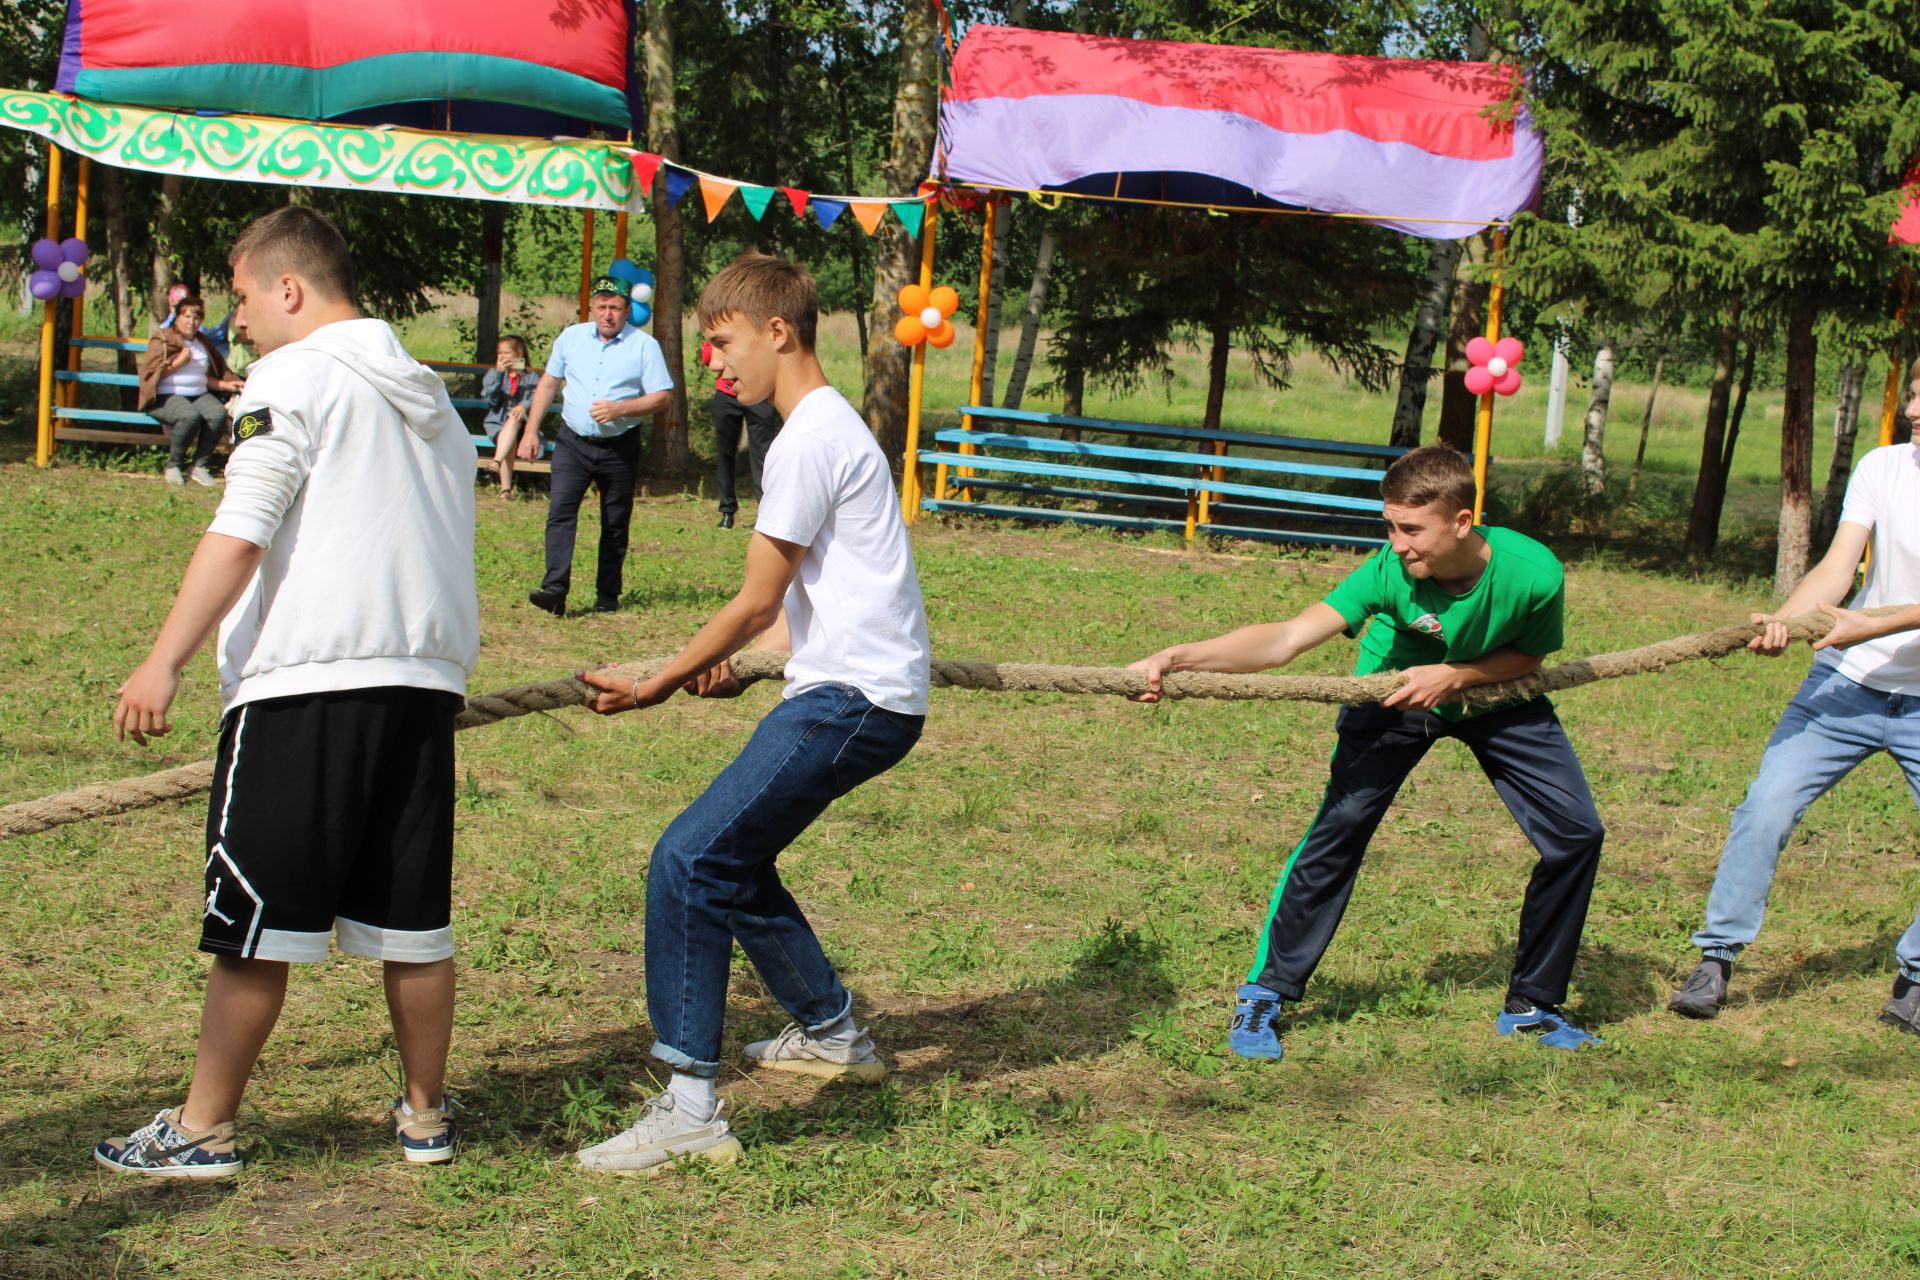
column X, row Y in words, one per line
column 1217, row 473
column 586, row 265
column 1483, row 422
column 70, row 391
column 43, row 435
column 917, row 385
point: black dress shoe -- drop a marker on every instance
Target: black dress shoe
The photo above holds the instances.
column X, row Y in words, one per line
column 552, row 602
column 726, row 519
column 606, row 606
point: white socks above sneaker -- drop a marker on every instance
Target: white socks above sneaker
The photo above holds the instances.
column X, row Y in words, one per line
column 841, row 1033
column 693, row 1096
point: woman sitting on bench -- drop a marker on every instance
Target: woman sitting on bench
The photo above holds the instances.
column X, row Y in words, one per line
column 180, row 376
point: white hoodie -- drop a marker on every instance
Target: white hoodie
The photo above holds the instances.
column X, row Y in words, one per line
column 352, row 469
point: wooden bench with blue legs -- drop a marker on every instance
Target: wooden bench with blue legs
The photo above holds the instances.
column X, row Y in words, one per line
column 1178, row 489
column 144, row 428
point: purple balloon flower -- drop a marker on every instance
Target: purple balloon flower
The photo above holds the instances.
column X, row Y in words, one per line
column 74, row 288
column 74, row 249
column 46, row 254
column 43, row 285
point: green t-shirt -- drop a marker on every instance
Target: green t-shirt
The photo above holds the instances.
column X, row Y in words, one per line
column 1519, row 602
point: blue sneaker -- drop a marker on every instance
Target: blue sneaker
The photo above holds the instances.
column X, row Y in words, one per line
column 1254, row 1033
column 1545, row 1021
column 162, row 1149
column 426, row 1136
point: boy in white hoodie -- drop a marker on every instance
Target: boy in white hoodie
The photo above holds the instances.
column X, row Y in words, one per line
column 339, row 569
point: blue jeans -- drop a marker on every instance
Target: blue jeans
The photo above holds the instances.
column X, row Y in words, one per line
column 713, row 881
column 1832, row 725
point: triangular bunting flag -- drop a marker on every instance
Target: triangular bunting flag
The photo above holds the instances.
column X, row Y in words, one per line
column 828, row 210
column 645, row 165
column 756, row 199
column 798, row 199
column 679, row 182
column 869, row 212
column 911, row 214
column 715, row 193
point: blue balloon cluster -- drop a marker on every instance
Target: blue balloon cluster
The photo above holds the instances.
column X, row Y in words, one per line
column 640, row 288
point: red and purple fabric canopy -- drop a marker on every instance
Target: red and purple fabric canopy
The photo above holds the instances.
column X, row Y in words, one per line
column 1435, row 149
column 324, row 59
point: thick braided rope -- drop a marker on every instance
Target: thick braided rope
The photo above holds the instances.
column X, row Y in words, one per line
column 31, row 816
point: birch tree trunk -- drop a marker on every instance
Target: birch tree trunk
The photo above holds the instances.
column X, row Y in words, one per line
column 668, row 453
column 1030, row 319
column 915, row 112
column 1796, row 451
column 1443, row 260
column 1593, row 453
column 1846, row 427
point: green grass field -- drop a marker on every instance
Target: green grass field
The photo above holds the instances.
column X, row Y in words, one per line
column 1042, row 912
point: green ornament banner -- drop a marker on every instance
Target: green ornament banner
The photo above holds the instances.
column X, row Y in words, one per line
column 574, row 173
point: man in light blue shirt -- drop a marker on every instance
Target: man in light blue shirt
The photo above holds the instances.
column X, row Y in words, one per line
column 615, row 376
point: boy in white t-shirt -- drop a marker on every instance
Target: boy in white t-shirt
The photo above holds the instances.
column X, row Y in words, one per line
column 1862, row 697
column 829, row 575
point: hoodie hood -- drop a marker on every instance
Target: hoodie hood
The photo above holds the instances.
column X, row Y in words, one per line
column 370, row 349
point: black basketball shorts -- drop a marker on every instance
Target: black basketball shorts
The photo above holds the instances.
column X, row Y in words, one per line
column 332, row 817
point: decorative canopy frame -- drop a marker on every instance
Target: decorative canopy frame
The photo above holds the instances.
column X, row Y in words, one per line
column 473, row 99
column 1440, row 150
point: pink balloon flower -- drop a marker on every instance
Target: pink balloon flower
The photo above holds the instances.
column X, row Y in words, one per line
column 1494, row 366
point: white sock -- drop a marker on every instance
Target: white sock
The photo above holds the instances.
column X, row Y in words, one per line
column 406, row 1108
column 838, row 1034
column 693, row 1096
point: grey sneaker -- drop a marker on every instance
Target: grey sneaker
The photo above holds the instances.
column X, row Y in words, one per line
column 1903, row 1011
column 661, row 1136
column 1704, row 992
column 202, row 476
column 796, row 1051
column 174, row 477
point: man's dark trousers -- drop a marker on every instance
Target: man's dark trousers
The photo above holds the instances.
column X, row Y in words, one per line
column 577, row 462
column 762, row 422
column 1525, row 754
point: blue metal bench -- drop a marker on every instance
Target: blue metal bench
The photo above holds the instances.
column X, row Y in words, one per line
column 144, row 428
column 1139, row 471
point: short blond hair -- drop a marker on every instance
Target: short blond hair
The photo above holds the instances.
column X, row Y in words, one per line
column 759, row 286
column 1435, row 473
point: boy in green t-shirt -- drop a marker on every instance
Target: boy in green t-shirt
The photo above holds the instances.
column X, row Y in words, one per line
column 1454, row 606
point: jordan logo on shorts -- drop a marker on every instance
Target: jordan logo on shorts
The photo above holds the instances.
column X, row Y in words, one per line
column 213, row 896
column 232, row 915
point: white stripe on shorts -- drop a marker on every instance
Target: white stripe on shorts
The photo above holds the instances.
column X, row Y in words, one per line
column 412, row 946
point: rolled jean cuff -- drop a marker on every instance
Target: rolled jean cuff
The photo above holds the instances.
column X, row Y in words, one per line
column 1729, row 952
column 683, row 1064
column 846, row 1010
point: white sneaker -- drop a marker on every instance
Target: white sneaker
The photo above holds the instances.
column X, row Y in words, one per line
column 796, row 1051
column 202, row 476
column 174, row 477
column 661, row 1136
